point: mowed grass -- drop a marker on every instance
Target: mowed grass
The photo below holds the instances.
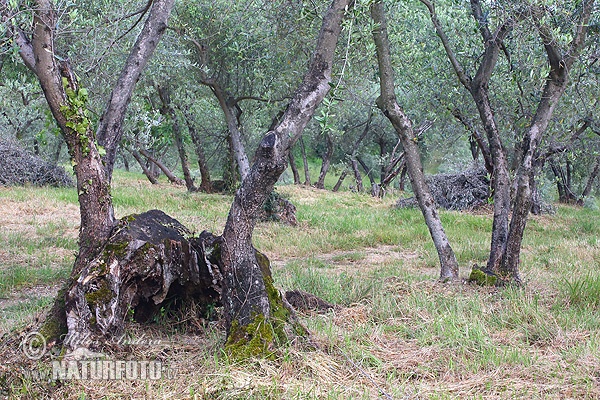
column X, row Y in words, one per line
column 397, row 332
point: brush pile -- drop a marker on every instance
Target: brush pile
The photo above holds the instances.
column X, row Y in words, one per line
column 467, row 190
column 20, row 167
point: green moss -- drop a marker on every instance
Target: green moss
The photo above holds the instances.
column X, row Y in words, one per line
column 256, row 339
column 118, row 249
column 482, row 278
column 263, row 335
column 54, row 326
column 101, row 296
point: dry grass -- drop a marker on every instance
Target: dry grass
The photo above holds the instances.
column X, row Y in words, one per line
column 398, row 333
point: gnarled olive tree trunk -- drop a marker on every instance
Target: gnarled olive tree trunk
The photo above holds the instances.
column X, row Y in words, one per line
column 556, row 83
column 403, row 126
column 254, row 311
column 67, row 102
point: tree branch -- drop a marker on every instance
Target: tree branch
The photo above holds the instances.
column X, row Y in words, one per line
column 462, row 76
column 110, row 128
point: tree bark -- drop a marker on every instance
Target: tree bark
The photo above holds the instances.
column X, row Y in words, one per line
column 367, row 170
column 478, row 88
column 110, row 129
column 67, row 103
column 389, row 106
column 590, row 182
column 150, row 262
column 294, row 168
column 340, row 180
column 249, row 296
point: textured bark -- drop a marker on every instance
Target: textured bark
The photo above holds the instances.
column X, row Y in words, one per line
column 148, row 264
column 389, row 106
column 565, row 195
column 230, row 109
column 60, row 87
column 478, row 87
column 556, row 83
column 248, row 293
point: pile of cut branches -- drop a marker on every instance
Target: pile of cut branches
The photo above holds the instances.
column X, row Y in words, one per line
column 465, row 190
column 19, row 167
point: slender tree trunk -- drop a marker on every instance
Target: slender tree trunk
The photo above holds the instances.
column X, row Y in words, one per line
column 170, row 175
column 590, row 182
column 249, row 297
column 320, row 183
column 500, row 179
column 357, row 175
column 145, row 169
column 305, row 163
column 367, row 170
column 556, row 83
column 125, row 161
column 388, row 104
column 340, row 180
column 478, row 88
column 59, row 146
column 168, row 111
column 294, row 169
column 402, row 180
column 110, row 129
column 205, row 184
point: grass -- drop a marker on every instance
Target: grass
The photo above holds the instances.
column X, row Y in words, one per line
column 397, row 332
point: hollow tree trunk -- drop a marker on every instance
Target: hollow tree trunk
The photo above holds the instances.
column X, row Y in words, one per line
column 320, row 183
column 403, row 126
column 150, row 263
column 249, row 298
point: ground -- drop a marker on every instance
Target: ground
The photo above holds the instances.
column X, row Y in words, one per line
column 397, row 333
